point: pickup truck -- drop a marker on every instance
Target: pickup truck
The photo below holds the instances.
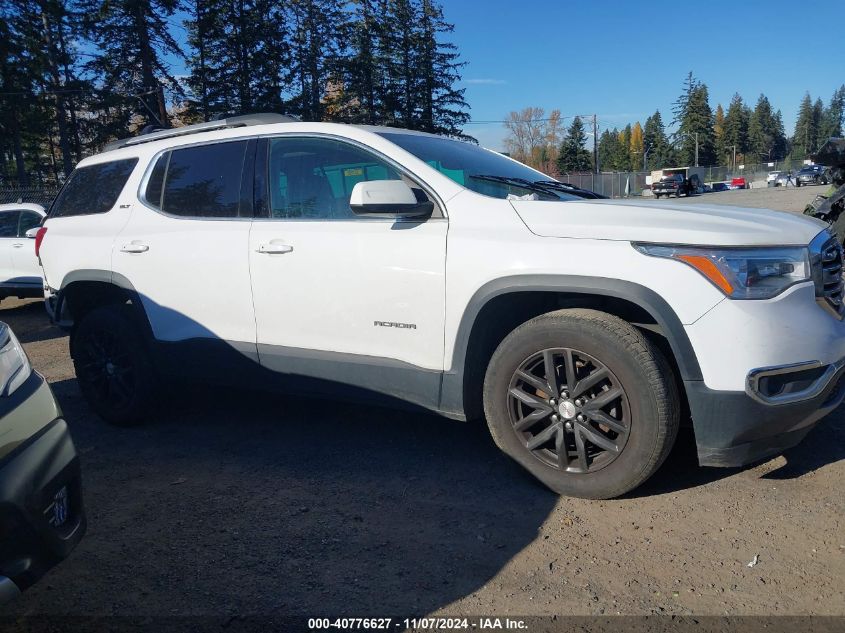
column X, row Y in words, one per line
column 675, row 184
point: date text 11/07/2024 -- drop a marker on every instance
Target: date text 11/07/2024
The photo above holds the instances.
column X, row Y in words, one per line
column 418, row 624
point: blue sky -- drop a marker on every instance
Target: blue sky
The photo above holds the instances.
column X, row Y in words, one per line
column 622, row 60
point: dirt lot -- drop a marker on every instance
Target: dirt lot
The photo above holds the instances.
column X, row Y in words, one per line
column 780, row 198
column 242, row 503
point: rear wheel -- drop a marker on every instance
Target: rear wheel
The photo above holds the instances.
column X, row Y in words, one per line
column 114, row 372
column 583, row 401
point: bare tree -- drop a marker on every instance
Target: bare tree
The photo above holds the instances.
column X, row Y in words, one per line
column 533, row 138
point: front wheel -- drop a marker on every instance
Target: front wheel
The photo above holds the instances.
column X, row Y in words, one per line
column 114, row 372
column 583, row 401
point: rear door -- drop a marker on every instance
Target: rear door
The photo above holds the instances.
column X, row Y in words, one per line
column 184, row 248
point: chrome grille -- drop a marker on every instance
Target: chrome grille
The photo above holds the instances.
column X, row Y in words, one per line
column 827, row 258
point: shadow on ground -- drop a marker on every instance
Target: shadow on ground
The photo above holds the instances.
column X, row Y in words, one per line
column 29, row 321
column 248, row 503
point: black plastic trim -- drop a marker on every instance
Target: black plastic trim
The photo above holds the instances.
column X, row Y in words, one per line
column 732, row 429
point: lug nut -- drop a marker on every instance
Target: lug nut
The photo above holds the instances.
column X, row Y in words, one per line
column 568, row 426
column 555, row 418
column 580, row 417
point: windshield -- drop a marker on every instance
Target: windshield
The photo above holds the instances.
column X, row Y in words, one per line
column 478, row 169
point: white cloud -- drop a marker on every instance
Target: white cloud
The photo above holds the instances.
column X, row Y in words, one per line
column 486, row 82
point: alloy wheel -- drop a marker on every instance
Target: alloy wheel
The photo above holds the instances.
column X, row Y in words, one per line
column 105, row 365
column 569, row 410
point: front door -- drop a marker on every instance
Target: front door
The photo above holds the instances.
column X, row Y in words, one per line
column 8, row 237
column 27, row 268
column 354, row 300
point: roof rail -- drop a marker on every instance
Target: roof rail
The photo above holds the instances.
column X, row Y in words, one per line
column 233, row 121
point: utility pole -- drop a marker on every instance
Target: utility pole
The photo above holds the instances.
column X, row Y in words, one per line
column 595, row 144
column 733, row 166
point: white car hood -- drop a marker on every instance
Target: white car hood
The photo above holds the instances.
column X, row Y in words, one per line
column 645, row 221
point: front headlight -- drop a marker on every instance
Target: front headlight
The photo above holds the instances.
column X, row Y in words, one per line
column 14, row 364
column 742, row 273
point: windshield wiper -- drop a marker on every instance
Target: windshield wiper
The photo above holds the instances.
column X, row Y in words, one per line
column 516, row 182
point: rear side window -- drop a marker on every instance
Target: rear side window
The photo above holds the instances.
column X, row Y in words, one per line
column 93, row 189
column 29, row 220
column 200, row 181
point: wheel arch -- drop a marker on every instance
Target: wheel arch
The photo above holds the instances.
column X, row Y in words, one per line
column 84, row 290
column 501, row 305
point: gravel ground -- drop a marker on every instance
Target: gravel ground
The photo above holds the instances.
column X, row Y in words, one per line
column 234, row 502
column 778, row 198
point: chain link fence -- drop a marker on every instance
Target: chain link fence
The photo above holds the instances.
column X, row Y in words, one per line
column 622, row 184
column 35, row 195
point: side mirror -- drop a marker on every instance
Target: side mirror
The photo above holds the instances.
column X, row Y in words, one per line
column 387, row 199
column 32, row 233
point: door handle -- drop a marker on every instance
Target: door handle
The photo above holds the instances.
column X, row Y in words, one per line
column 274, row 248
column 17, row 245
column 134, row 247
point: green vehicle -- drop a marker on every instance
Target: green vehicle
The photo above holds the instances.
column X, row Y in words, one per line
column 41, row 513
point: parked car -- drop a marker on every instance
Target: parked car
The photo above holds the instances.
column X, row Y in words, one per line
column 20, row 272
column 379, row 264
column 676, row 185
column 720, row 186
column 813, row 175
column 41, row 512
column 776, row 178
column 739, row 183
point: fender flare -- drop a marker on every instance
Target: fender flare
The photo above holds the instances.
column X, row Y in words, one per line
column 452, row 389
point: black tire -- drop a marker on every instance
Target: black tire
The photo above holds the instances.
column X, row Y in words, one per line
column 650, row 408
column 114, row 371
column 657, row 195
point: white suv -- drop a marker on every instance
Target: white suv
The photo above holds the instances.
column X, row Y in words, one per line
column 381, row 264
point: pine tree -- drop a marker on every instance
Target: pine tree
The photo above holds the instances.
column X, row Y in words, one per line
column 133, row 40
column 573, row 155
column 318, row 35
column 806, row 131
column 735, row 136
column 442, row 105
column 695, row 124
column 765, row 133
column 834, row 115
column 818, row 124
column 719, row 135
column 621, row 160
column 235, row 62
column 608, row 149
column 656, row 143
column 362, row 104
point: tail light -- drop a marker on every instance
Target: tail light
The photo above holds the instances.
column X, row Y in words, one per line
column 39, row 237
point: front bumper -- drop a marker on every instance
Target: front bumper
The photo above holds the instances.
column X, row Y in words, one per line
column 41, row 512
column 737, row 428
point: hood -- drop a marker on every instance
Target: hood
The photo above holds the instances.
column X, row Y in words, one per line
column 645, row 221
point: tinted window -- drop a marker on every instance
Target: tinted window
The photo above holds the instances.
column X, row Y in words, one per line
column 203, row 181
column 314, row 177
column 29, row 220
column 9, row 223
column 156, row 182
column 93, row 189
